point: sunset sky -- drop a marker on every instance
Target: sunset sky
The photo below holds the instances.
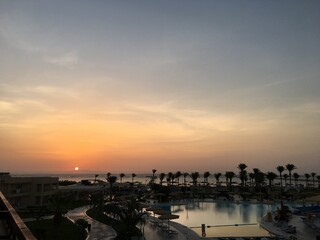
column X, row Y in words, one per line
column 128, row 86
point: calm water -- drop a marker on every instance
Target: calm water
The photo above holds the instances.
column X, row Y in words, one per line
column 219, row 213
column 225, row 219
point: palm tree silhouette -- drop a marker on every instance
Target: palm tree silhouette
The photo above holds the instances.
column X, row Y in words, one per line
column 296, row 178
column 242, row 173
column 307, row 176
column 251, row 176
column 161, row 177
column 177, row 176
column 121, row 176
column 313, row 174
column 194, row 177
column 133, row 175
column 271, row 176
column 258, row 177
column 206, row 175
column 229, row 176
column 217, row 177
column 153, row 172
column 290, row 167
column 285, row 176
column 95, row 177
column 111, row 180
column 184, row 178
column 171, row 176
column 280, row 170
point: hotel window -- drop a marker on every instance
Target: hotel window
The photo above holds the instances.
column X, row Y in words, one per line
column 39, row 187
column 38, row 200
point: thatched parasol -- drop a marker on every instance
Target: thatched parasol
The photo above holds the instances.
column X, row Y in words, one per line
column 161, row 212
column 313, row 199
column 168, row 217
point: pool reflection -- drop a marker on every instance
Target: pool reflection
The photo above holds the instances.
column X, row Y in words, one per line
column 218, row 213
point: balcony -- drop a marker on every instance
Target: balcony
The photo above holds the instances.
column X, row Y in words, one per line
column 11, row 225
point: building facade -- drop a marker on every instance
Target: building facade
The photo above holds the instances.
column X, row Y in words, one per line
column 28, row 191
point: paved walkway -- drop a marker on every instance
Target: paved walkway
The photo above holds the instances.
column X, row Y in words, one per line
column 151, row 231
column 99, row 231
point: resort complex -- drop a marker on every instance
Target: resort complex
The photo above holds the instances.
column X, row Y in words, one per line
column 233, row 205
column 28, row 191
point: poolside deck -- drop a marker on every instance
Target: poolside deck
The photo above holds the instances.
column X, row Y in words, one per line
column 304, row 232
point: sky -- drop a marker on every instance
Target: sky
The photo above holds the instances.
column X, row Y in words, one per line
column 131, row 86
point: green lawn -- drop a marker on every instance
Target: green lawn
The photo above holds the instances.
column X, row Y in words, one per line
column 44, row 230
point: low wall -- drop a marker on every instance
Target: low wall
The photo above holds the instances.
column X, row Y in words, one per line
column 15, row 227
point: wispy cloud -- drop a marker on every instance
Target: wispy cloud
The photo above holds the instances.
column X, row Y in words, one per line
column 37, row 89
column 12, row 32
column 68, row 60
column 309, row 107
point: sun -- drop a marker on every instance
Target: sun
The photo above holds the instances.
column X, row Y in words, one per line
column 76, row 168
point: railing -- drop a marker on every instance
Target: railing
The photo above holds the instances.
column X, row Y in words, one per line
column 15, row 227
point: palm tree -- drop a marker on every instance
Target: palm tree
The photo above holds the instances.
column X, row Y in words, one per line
column 195, row 176
column 313, row 174
column 290, row 167
column 296, row 178
column 129, row 217
column 217, row 177
column 258, row 177
column 251, row 176
column 206, row 175
column 271, row 176
column 184, row 178
column 285, row 176
column 111, row 180
column 133, row 175
column 153, row 172
column 59, row 202
column 229, row 176
column 307, row 176
column 161, row 177
column 171, row 177
column 177, row 175
column 280, row 170
column 95, row 177
column 122, row 175
column 168, row 181
column 242, row 173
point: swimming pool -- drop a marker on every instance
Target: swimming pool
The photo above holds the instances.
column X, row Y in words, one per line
column 223, row 218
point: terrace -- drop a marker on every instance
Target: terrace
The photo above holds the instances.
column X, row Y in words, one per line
column 11, row 225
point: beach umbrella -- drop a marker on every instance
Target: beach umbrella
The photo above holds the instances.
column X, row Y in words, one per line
column 161, row 212
column 313, row 199
column 168, row 217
